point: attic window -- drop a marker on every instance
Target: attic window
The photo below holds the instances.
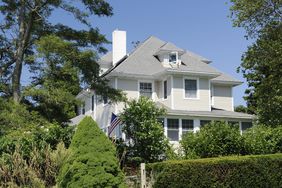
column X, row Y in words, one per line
column 173, row 56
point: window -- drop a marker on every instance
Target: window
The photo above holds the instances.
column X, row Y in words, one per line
column 92, row 103
column 165, row 89
column 246, row 125
column 204, row 122
column 173, row 129
column 191, row 88
column 105, row 100
column 145, row 89
column 187, row 125
column 172, row 57
column 83, row 109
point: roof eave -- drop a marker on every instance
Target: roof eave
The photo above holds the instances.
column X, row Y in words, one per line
column 233, row 83
column 198, row 73
column 249, row 117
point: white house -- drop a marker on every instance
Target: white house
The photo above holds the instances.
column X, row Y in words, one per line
column 193, row 92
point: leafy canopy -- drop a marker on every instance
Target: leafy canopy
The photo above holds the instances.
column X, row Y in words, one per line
column 261, row 67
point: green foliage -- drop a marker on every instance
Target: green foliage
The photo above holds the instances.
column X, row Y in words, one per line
column 220, row 139
column 38, row 171
column 29, row 20
column 214, row 139
column 261, row 64
column 28, row 129
column 261, row 67
column 246, row 171
column 262, row 140
column 243, row 109
column 255, row 15
column 93, row 162
column 148, row 143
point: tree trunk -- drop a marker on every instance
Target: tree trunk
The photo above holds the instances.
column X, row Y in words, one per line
column 22, row 41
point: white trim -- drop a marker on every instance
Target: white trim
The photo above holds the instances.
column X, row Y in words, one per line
column 232, row 100
column 210, row 102
column 116, row 86
column 198, row 87
column 153, row 88
column 171, row 92
column 165, row 127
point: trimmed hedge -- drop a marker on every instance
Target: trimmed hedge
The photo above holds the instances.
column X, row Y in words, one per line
column 93, row 161
column 233, row 171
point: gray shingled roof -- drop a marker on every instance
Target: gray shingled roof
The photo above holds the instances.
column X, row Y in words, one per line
column 170, row 47
column 143, row 62
column 76, row 120
column 225, row 78
column 106, row 59
column 194, row 65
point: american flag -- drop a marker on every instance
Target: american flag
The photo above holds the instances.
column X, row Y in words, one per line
column 115, row 121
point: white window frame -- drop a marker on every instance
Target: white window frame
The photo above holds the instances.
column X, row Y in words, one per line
column 176, row 60
column 146, row 81
column 198, row 88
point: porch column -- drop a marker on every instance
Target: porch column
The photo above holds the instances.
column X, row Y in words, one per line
column 165, row 127
column 197, row 125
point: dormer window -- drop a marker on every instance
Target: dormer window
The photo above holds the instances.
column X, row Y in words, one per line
column 173, row 56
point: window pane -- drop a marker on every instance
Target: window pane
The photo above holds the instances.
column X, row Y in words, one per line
column 190, row 88
column 246, row 125
column 172, row 124
column 145, row 89
column 165, row 89
column 172, row 135
column 92, row 103
column 172, row 57
column 187, row 124
column 173, row 129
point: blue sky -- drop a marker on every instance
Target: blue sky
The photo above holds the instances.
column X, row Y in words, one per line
column 200, row 26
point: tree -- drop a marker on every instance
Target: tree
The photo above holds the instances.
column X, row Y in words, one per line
column 25, row 21
column 93, row 162
column 261, row 64
column 146, row 133
column 242, row 108
column 261, row 67
column 255, row 15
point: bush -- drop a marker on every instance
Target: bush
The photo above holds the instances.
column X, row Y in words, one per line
column 262, row 140
column 244, row 171
column 214, row 139
column 93, row 162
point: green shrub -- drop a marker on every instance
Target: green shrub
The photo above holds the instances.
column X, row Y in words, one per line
column 93, row 162
column 214, row 139
column 234, row 171
column 262, row 139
